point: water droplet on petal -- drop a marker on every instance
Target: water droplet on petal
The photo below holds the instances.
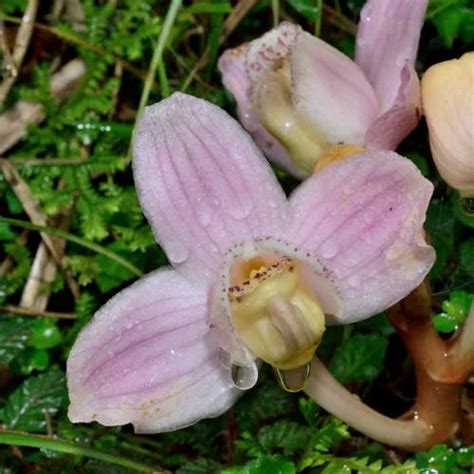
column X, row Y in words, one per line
column 242, row 209
column 177, row 252
column 204, row 215
column 244, row 377
column 353, row 281
column 293, row 380
column 328, row 249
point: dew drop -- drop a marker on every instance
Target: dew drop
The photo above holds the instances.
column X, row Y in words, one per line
column 293, row 380
column 354, row 281
column 368, row 216
column 328, row 249
column 244, row 377
column 177, row 252
column 204, row 215
column 241, row 210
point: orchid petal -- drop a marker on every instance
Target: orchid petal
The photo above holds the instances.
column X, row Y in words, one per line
column 232, row 65
column 370, row 232
column 390, row 128
column 148, row 358
column 387, row 42
column 203, row 184
column 331, row 91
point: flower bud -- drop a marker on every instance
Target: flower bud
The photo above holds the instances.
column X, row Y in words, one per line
column 448, row 101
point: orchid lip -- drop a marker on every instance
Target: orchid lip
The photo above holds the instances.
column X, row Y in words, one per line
column 268, row 308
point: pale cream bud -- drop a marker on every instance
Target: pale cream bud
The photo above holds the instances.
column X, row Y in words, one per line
column 448, row 102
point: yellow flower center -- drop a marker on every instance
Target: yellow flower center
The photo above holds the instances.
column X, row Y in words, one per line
column 275, row 313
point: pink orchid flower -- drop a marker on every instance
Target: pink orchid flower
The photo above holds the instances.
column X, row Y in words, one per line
column 254, row 274
column 302, row 100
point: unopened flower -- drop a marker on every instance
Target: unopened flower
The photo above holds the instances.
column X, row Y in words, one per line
column 304, row 101
column 253, row 275
column 448, row 103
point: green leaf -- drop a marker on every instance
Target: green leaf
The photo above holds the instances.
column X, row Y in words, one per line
column 14, row 205
column 25, row 407
column 210, row 8
column 284, row 435
column 6, row 233
column 14, row 333
column 264, row 465
column 360, row 357
column 45, row 335
column 448, row 24
column 455, row 311
column 309, row 409
column 306, row 8
column 441, row 226
column 466, row 256
column 444, row 460
column 331, row 433
column 111, row 273
column 30, row 360
column 200, row 466
column 420, row 162
column 466, row 31
column 459, row 213
column 325, row 439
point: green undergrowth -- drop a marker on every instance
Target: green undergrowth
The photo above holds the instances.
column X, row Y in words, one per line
column 77, row 163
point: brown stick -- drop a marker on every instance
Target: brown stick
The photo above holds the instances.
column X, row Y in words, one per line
column 43, row 270
column 37, row 216
column 14, row 122
column 32, row 312
column 22, row 41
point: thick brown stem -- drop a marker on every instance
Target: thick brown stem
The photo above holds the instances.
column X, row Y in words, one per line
column 441, row 367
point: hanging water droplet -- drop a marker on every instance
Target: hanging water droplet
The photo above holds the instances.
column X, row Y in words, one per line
column 293, row 380
column 467, row 204
column 177, row 252
column 244, row 377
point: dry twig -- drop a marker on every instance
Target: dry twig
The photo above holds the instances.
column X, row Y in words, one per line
column 14, row 122
column 22, row 41
column 37, row 216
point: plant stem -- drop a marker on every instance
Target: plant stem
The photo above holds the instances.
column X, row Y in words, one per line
column 325, row 390
column 319, row 19
column 18, row 438
column 158, row 52
column 275, row 11
column 77, row 240
column 156, row 61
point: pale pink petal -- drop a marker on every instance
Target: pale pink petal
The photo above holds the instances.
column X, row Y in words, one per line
column 148, row 358
column 390, row 128
column 387, row 41
column 268, row 52
column 232, row 65
column 242, row 68
column 370, row 231
column 203, row 184
column 331, row 91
